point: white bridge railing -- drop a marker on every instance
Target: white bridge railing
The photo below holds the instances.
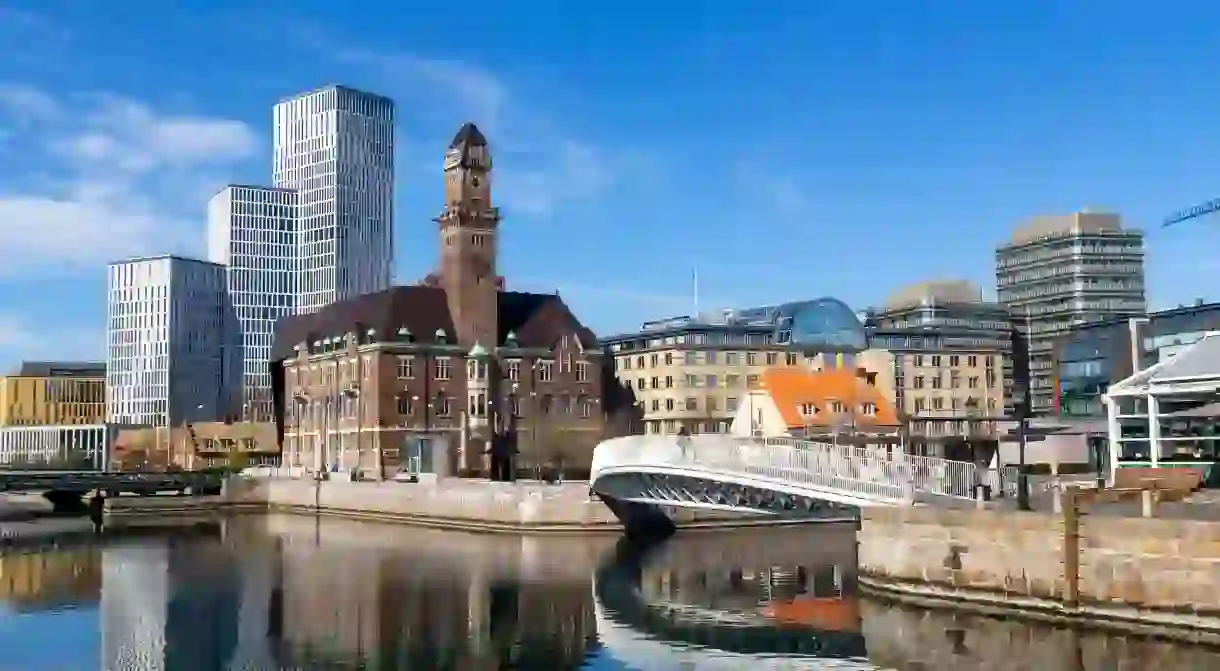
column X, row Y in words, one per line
column 876, row 473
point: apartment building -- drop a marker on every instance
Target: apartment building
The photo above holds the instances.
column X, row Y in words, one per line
column 46, row 393
column 952, row 354
column 693, row 371
column 1059, row 272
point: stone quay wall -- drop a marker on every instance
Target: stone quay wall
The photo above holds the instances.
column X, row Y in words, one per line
column 1126, row 571
column 450, row 503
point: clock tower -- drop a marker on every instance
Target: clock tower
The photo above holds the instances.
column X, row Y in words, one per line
column 468, row 226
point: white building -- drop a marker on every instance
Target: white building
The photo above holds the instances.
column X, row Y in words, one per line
column 172, row 347
column 251, row 230
column 43, row 444
column 335, row 146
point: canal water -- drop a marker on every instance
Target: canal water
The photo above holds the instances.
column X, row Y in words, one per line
column 282, row 592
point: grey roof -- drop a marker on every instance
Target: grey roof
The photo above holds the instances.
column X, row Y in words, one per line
column 61, row 369
column 1199, row 361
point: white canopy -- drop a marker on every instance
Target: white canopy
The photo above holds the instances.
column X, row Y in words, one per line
column 1195, row 369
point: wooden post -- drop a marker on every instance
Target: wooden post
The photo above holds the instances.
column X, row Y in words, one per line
column 1071, row 546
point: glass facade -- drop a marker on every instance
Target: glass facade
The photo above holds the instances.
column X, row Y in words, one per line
column 335, row 147
column 172, row 351
column 251, row 230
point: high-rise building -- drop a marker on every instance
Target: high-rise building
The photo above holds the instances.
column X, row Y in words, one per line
column 172, row 349
column 1058, row 272
column 953, row 364
column 251, row 230
column 335, row 146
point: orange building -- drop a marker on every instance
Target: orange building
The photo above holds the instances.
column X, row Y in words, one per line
column 789, row 401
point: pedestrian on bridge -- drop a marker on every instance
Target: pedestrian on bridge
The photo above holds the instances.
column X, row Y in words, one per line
column 683, row 440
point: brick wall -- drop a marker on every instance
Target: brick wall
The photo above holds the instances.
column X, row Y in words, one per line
column 1090, row 560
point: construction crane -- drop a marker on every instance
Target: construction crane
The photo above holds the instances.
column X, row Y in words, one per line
column 1192, row 213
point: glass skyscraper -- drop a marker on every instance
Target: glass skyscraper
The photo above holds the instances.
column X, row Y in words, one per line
column 252, row 231
column 172, row 350
column 335, row 146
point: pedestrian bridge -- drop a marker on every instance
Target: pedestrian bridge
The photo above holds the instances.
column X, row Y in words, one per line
column 638, row 475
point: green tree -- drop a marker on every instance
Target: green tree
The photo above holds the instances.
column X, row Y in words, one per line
column 238, row 459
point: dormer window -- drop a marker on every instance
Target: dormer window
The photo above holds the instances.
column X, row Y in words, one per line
column 869, row 409
column 808, row 409
column 836, row 406
column 441, row 337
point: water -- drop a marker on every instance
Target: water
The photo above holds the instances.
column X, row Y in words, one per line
column 293, row 592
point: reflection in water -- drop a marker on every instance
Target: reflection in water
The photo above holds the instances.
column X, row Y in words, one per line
column 291, row 592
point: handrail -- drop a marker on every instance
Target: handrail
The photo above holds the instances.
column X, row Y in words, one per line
column 871, row 472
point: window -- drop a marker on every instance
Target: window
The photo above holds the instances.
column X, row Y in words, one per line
column 639, row 361
column 709, row 357
column 626, row 363
column 711, row 403
column 751, row 381
column 656, row 404
column 790, row 358
column 444, row 405
column 836, row 407
column 641, row 383
column 669, row 382
column 584, row 406
column 936, row 361
column 442, row 368
column 476, row 370
column 732, row 381
column 730, row 358
column 730, row 403
column 692, row 403
column 869, row 409
column 405, row 405
column 918, row 362
column 937, row 403
column 546, row 371
column 654, row 382
column 692, row 381
column 565, row 404
column 692, row 358
column 973, row 382
column 972, row 361
column 751, row 359
column 669, row 358
column 669, row 404
column 582, row 371
column 772, row 357
column 654, row 360
column 917, row 382
column 955, row 360
column 808, row 409
column 513, row 372
column 920, row 405
column 478, row 405
column 711, row 382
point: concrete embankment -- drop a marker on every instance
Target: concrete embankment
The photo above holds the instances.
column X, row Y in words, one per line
column 1145, row 575
column 522, row 507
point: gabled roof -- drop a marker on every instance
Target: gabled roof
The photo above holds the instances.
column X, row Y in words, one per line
column 537, row 320
column 1192, row 370
column 468, row 135
column 789, row 388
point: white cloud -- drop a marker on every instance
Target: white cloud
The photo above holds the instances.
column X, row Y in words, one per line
column 124, row 179
column 19, row 338
column 542, row 166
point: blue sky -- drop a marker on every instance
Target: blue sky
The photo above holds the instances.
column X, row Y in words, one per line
column 787, row 150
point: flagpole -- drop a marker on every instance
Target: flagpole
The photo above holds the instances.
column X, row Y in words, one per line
column 695, row 283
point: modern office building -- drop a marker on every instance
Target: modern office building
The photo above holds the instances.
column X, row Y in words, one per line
column 692, row 372
column 252, row 231
column 335, row 146
column 45, row 393
column 1089, row 358
column 1059, row 272
column 84, row 446
column 173, row 352
column 953, row 363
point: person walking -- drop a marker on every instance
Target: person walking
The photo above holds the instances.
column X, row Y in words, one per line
column 683, row 441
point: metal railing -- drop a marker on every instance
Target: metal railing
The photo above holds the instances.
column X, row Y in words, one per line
column 867, row 472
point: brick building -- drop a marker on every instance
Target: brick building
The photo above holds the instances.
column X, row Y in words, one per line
column 428, row 372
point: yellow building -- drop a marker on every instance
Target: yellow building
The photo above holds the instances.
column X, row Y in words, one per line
column 693, row 372
column 53, row 394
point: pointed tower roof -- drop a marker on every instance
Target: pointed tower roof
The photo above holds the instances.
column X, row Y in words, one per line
column 468, row 136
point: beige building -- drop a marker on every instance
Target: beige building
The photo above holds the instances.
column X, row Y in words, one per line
column 193, row 446
column 44, row 393
column 694, row 372
column 951, row 352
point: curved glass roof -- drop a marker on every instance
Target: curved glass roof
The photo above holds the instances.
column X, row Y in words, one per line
column 825, row 323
